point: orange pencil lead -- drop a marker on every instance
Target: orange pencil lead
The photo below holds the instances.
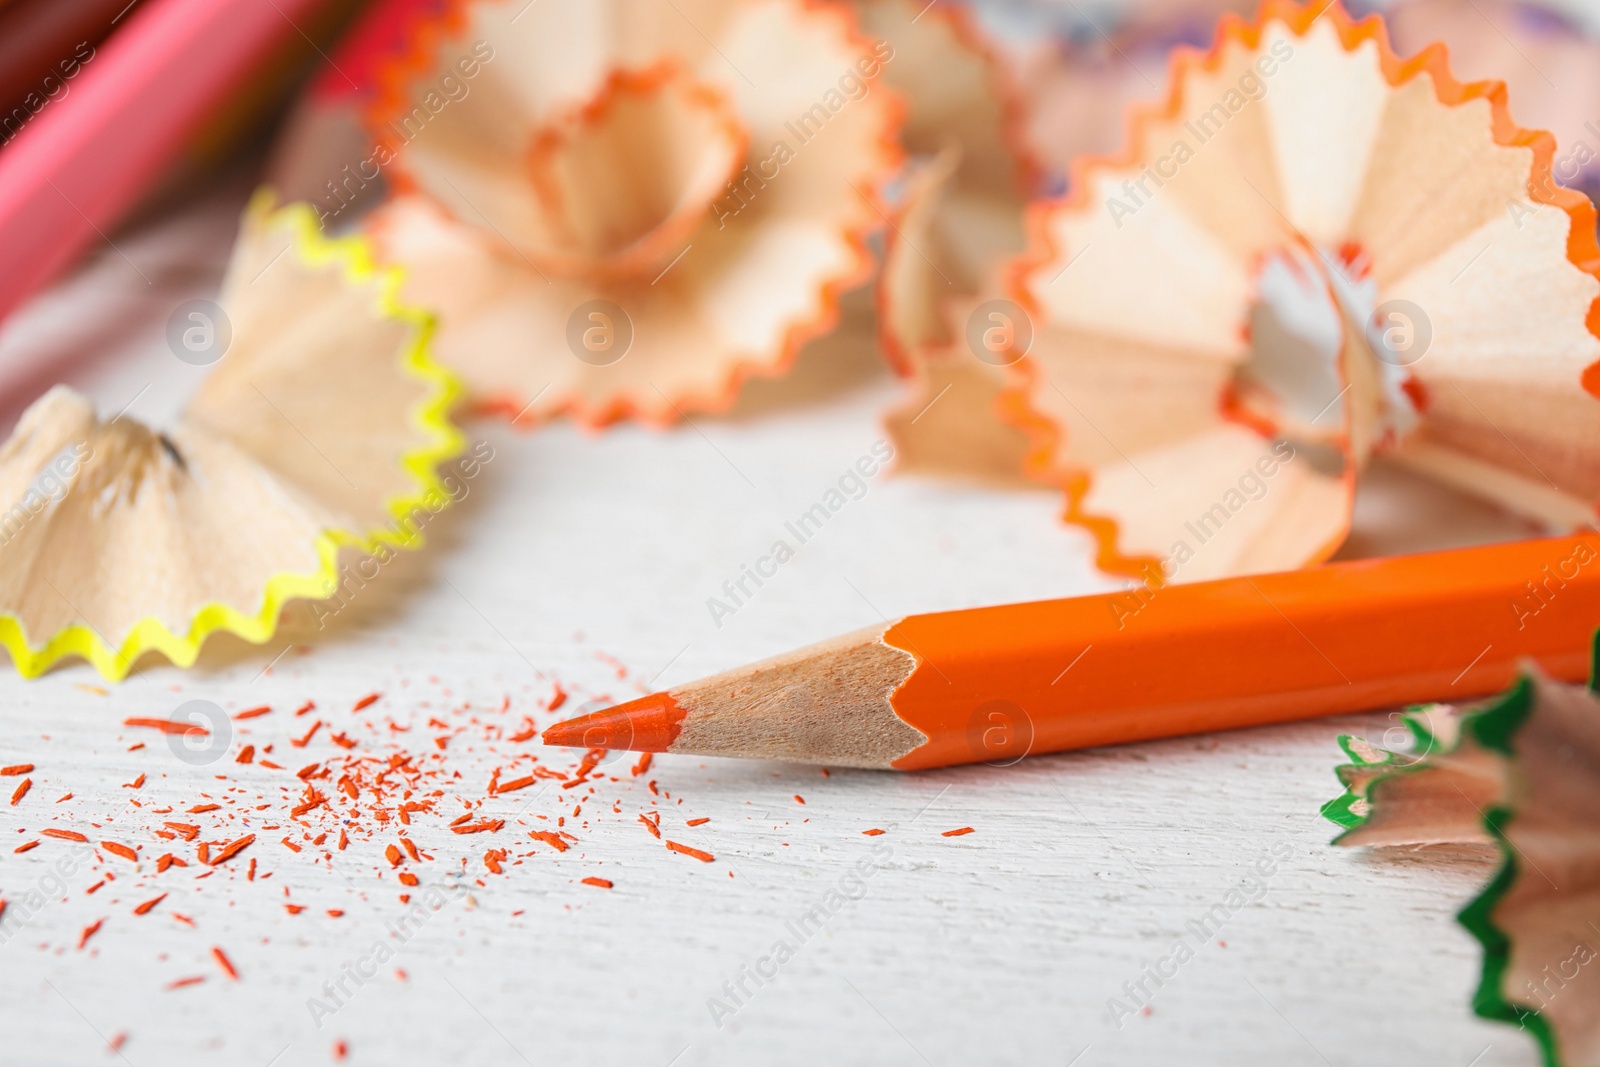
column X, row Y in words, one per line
column 649, row 724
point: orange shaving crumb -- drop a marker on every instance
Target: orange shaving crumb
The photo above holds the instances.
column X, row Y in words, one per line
column 366, row 701
column 21, row 790
column 225, row 963
column 26, row 846
column 191, row 980
column 874, row 832
column 88, row 932
column 246, row 754
column 144, row 908
column 960, row 832
column 598, row 883
column 232, row 849
column 65, row 835
column 549, row 838
column 16, row 769
column 251, row 713
column 697, row 822
column 167, row 726
column 117, row 849
column 703, row 857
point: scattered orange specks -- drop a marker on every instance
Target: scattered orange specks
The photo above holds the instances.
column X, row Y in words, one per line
column 253, row 713
column 184, row 919
column 959, row 832
column 16, row 769
column 21, row 790
column 225, row 963
column 695, row 853
column 874, row 832
column 598, row 883
column 167, row 726
column 118, row 849
column 64, row 835
column 340, row 1049
column 88, row 932
column 232, row 849
column 116, row 1041
column 550, row 838
column 144, row 908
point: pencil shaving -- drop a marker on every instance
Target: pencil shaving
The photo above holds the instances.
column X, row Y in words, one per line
column 616, row 221
column 1520, row 772
column 321, row 427
column 958, row 221
column 1313, row 255
column 1550, row 63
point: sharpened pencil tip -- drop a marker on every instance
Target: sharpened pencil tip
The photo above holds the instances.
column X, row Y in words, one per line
column 649, row 724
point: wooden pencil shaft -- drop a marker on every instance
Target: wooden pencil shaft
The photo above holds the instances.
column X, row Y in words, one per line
column 998, row 682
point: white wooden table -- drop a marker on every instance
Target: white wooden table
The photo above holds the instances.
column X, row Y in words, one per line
column 1002, row 946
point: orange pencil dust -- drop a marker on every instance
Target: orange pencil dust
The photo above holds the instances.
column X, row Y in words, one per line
column 407, row 788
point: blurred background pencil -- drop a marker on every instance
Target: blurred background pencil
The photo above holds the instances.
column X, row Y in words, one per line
column 115, row 98
column 999, row 683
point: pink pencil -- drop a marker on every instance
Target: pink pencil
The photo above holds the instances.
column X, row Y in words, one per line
column 83, row 161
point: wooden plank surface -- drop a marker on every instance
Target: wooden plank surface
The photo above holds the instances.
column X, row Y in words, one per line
column 574, row 557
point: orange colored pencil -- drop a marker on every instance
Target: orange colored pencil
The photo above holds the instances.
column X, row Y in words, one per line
column 999, row 683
